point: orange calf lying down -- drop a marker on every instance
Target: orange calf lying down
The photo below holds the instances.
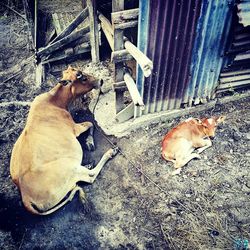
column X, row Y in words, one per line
column 46, row 159
column 180, row 142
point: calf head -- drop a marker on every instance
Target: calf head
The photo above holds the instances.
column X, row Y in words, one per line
column 210, row 125
column 79, row 82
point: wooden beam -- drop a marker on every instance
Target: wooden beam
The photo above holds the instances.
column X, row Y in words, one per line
column 232, row 85
column 107, row 29
column 145, row 63
column 85, row 47
column 123, row 26
column 120, row 56
column 120, row 86
column 134, row 93
column 74, row 24
column 35, row 24
column 118, row 5
column 94, row 32
column 123, row 16
column 59, row 44
column 125, row 114
column 30, row 22
column 125, row 19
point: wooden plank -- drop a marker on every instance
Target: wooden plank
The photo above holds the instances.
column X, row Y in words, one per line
column 118, row 5
column 80, row 18
column 125, row 15
column 145, row 63
column 40, row 74
column 59, row 44
column 94, row 32
column 134, row 93
column 30, row 21
column 233, row 85
column 120, row 56
column 123, row 26
column 125, row 114
column 120, row 86
column 35, row 24
column 58, row 26
column 76, row 52
column 107, row 29
column 125, row 19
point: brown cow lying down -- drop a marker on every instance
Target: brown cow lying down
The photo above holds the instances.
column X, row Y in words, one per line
column 180, row 142
column 46, row 159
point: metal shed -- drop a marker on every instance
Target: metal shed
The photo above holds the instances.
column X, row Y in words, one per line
column 186, row 41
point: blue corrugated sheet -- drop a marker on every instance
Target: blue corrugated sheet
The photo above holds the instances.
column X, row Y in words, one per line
column 207, row 56
column 186, row 42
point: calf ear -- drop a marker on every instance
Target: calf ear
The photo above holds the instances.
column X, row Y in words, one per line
column 204, row 122
column 220, row 119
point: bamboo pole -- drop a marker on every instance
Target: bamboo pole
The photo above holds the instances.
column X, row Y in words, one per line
column 135, row 95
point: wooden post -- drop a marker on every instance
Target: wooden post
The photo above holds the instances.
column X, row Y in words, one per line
column 118, row 5
column 94, row 32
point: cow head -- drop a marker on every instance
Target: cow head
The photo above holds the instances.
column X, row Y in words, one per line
column 79, row 82
column 210, row 125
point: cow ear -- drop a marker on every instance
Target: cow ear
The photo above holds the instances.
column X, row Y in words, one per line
column 220, row 119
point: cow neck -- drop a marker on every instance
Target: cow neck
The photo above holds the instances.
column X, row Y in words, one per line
column 61, row 96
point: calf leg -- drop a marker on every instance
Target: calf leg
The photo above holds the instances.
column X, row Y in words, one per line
column 89, row 175
column 180, row 162
column 82, row 127
column 206, row 143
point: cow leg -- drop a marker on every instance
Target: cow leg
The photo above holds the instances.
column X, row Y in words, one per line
column 89, row 175
column 90, row 143
column 206, row 144
column 82, row 127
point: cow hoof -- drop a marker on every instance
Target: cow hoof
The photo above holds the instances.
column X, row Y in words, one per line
column 90, row 143
column 177, row 171
column 112, row 152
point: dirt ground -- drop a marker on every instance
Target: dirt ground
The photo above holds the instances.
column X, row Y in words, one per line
column 207, row 206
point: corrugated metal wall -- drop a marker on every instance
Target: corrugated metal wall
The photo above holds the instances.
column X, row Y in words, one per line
column 209, row 50
column 236, row 73
column 186, row 41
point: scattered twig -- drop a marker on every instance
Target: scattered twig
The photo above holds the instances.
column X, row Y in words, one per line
column 22, row 239
column 11, row 77
column 147, row 231
column 13, row 10
column 166, row 238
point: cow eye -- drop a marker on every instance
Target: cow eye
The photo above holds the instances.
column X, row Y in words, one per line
column 84, row 78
